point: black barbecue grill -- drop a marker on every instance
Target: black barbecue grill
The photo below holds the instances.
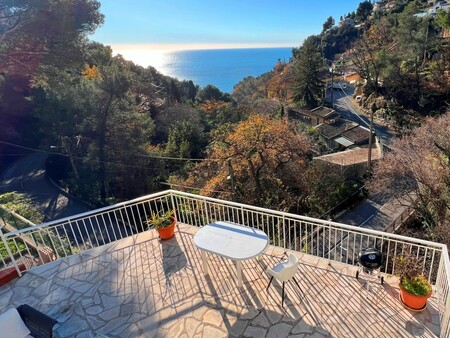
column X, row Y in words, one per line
column 370, row 261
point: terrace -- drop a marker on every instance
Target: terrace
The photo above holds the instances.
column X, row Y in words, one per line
column 122, row 281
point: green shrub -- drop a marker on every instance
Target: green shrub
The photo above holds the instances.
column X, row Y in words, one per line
column 13, row 247
column 418, row 286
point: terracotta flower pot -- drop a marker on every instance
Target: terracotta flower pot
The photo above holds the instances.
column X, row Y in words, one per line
column 167, row 232
column 413, row 302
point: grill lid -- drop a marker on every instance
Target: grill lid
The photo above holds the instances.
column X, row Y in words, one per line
column 370, row 258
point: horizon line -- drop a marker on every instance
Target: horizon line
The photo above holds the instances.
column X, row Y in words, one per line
column 195, row 46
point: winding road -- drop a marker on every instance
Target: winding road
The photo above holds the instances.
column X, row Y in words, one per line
column 375, row 212
column 344, row 105
column 27, row 176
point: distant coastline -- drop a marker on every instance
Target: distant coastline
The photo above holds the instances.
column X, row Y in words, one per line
column 222, row 68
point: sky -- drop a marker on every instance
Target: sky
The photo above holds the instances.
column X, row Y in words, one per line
column 208, row 24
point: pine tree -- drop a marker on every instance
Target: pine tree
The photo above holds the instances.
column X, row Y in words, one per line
column 308, row 86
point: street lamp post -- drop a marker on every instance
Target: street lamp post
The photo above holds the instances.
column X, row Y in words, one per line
column 332, row 87
column 369, row 159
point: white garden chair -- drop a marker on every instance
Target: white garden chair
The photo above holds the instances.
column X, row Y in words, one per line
column 284, row 272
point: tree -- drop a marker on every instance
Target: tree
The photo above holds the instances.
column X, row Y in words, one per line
column 185, row 140
column 326, row 188
column 328, row 24
column 251, row 88
column 264, row 158
column 188, row 90
column 414, row 40
column 113, row 122
column 165, row 118
column 209, row 93
column 38, row 39
column 21, row 205
column 97, row 122
column 42, row 32
column 308, row 86
column 173, row 92
column 277, row 85
column 418, row 171
column 214, row 114
column 363, row 11
column 443, row 19
column 370, row 53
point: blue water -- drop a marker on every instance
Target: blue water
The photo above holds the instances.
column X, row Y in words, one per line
column 222, row 68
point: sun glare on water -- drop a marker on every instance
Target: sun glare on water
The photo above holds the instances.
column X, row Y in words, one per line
column 144, row 56
column 160, row 56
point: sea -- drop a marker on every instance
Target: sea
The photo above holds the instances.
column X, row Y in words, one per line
column 222, row 68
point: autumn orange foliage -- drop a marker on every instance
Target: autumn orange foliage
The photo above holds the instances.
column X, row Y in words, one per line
column 261, row 158
column 90, row 72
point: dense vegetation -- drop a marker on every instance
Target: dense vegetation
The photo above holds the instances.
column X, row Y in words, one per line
column 120, row 130
column 21, row 205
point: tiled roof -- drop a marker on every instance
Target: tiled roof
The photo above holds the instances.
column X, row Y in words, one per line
column 357, row 134
column 323, row 111
column 335, row 129
column 350, row 157
column 302, row 111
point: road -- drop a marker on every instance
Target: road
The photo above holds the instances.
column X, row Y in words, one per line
column 344, row 105
column 27, row 176
column 376, row 212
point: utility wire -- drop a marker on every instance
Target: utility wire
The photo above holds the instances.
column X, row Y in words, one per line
column 121, row 164
column 147, row 156
column 351, row 109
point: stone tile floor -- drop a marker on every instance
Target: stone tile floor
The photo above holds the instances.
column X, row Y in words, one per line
column 141, row 287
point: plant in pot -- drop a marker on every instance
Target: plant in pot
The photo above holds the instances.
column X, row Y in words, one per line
column 164, row 222
column 415, row 289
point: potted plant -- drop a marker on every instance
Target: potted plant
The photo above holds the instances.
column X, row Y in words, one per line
column 415, row 289
column 164, row 222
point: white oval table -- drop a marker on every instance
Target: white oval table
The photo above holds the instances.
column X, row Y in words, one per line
column 230, row 240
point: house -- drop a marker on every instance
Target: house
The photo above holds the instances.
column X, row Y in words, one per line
column 347, row 22
column 328, row 132
column 445, row 33
column 352, row 162
column 436, row 6
column 343, row 134
column 315, row 116
column 352, row 77
column 356, row 136
column 378, row 5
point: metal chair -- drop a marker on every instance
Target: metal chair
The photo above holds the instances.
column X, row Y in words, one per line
column 284, row 272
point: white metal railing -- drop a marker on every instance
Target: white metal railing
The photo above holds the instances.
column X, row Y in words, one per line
column 329, row 240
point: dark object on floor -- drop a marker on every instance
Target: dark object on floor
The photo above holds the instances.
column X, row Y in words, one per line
column 40, row 325
column 371, row 260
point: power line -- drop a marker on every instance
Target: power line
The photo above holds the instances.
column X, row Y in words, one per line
column 121, row 164
column 140, row 155
column 351, row 109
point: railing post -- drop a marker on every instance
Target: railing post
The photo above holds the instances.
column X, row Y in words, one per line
column 13, row 260
column 173, row 205
column 445, row 319
column 205, row 203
